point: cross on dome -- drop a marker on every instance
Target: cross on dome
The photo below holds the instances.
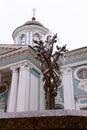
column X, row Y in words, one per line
column 33, row 14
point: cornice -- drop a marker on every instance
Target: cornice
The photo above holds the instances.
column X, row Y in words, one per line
column 12, row 46
column 79, row 96
column 76, row 53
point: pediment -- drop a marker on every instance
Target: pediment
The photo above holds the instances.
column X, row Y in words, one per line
column 6, row 48
column 15, row 51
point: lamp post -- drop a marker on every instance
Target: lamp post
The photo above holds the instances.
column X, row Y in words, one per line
column 50, row 67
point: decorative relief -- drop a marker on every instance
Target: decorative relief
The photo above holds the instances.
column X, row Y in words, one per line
column 83, row 85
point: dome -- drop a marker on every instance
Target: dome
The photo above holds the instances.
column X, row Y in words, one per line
column 24, row 33
column 33, row 22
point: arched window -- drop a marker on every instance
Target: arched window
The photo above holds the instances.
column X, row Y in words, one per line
column 22, row 39
column 36, row 36
column 82, row 73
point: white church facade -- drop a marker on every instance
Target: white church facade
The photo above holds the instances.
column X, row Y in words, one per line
column 21, row 86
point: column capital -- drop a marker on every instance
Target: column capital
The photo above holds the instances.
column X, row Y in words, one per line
column 22, row 65
column 25, row 65
column 65, row 70
column 14, row 67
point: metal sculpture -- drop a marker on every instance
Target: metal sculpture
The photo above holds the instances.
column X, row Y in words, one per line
column 50, row 67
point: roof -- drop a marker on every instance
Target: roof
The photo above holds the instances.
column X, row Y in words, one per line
column 30, row 22
column 33, row 22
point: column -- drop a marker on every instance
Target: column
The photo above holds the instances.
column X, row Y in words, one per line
column 23, row 89
column 68, row 89
column 13, row 91
column 31, row 38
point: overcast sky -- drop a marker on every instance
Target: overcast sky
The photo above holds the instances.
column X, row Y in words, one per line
column 67, row 18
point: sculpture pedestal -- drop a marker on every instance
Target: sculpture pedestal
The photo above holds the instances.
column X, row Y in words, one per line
column 43, row 120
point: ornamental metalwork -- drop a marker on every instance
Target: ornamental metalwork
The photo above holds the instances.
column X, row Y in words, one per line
column 50, row 66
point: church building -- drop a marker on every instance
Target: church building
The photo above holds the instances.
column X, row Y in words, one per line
column 21, row 86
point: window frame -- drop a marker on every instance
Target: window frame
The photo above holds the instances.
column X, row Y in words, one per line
column 22, row 39
column 78, row 70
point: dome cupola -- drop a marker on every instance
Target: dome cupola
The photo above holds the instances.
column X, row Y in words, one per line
column 24, row 34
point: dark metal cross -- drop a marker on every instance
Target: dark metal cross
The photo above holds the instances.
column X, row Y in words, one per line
column 34, row 12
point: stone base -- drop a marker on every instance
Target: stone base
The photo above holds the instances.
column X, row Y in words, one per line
column 43, row 120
